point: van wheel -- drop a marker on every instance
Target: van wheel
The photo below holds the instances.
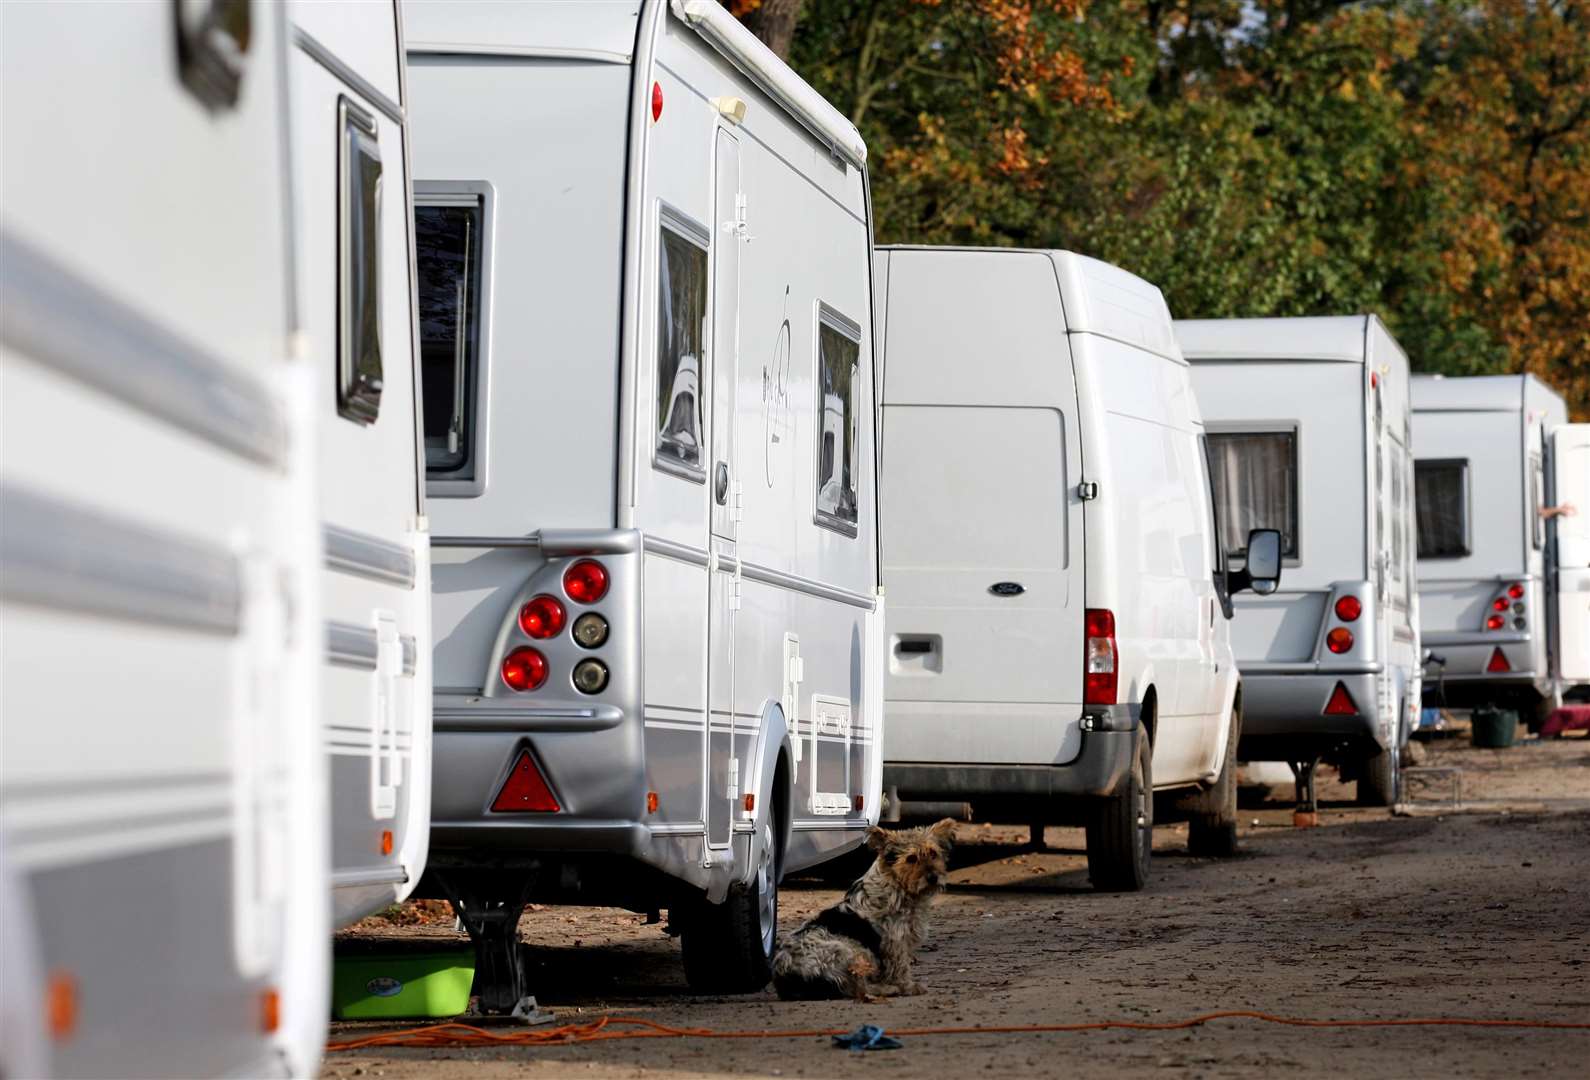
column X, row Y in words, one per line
column 1120, row 828
column 1212, row 827
column 728, row 947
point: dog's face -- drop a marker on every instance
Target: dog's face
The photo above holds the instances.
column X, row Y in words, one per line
column 915, row 860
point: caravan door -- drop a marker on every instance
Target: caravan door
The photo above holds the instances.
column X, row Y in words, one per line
column 1570, row 446
column 724, row 487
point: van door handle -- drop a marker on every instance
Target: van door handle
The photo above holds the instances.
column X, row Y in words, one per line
column 720, row 483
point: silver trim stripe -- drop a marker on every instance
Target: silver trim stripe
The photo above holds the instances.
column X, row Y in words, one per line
column 62, row 556
column 351, row 552
column 50, row 314
column 356, row 82
column 348, row 645
column 380, row 875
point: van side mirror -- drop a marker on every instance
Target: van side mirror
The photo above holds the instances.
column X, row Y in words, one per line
column 1262, row 573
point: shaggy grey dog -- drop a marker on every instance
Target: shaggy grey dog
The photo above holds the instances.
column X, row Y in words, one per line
column 862, row 946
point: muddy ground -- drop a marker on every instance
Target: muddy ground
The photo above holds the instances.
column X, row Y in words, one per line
column 1480, row 913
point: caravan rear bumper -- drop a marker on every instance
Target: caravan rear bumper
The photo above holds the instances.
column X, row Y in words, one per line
column 1284, row 714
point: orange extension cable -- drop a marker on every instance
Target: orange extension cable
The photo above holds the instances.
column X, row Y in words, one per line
column 460, row 1035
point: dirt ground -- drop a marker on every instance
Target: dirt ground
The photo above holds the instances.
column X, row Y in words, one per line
column 1480, row 913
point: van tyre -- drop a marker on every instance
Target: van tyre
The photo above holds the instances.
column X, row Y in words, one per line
column 1212, row 826
column 728, row 947
column 1120, row 828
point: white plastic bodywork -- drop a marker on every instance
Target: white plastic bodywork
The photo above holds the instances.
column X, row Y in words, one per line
column 1011, row 378
column 1571, row 473
column 376, row 707
column 162, row 790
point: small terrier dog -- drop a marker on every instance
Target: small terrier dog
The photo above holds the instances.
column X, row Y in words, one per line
column 862, row 946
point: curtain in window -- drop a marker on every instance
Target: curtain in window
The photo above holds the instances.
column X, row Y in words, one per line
column 1440, row 492
column 1255, row 486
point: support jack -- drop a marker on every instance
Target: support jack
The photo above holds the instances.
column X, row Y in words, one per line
column 490, row 913
column 1306, row 814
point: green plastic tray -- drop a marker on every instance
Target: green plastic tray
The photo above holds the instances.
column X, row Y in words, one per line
column 375, row 986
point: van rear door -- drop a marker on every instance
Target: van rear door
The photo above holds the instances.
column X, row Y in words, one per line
column 981, row 537
column 1570, row 446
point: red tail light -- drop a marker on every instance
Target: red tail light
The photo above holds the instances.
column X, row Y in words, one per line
column 1516, row 590
column 1498, row 661
column 525, row 790
column 1339, row 640
column 1099, row 658
column 1341, row 703
column 524, row 669
column 1348, row 608
column 1499, row 604
column 586, row 581
column 1494, row 622
column 542, row 617
column 656, row 102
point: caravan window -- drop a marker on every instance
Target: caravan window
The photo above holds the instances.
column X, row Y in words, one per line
column 449, row 230
column 1441, row 508
column 681, row 341
column 1254, row 474
column 838, row 412
column 359, row 375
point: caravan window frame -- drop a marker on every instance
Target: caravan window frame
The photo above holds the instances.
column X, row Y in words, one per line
column 831, row 318
column 1465, row 546
column 688, row 229
column 1293, row 428
column 1537, row 501
column 470, row 477
column 361, row 370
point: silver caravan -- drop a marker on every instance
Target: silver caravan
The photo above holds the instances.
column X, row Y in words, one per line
column 1309, row 433
column 162, row 809
column 1504, row 599
column 1058, row 603
column 356, row 288
column 647, row 339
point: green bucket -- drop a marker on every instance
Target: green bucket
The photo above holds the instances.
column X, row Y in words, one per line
column 1493, row 729
column 373, row 986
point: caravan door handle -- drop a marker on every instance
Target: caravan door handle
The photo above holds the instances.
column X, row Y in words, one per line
column 720, row 483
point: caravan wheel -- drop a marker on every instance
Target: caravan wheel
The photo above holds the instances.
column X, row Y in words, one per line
column 728, row 947
column 1378, row 774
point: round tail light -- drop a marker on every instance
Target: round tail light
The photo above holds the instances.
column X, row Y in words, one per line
column 1348, row 608
column 1519, row 624
column 590, row 676
column 524, row 669
column 542, row 617
column 586, row 581
column 1494, row 622
column 1499, row 604
column 1516, row 590
column 1339, row 640
column 590, row 630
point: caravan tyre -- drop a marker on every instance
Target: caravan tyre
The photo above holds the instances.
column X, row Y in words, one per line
column 1120, row 828
column 728, row 947
column 1377, row 778
column 1212, row 828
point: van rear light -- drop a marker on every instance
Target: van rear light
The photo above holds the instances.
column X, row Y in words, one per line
column 1339, row 640
column 542, row 617
column 1341, row 703
column 1348, row 608
column 1494, row 622
column 1099, row 658
column 1516, row 590
column 1498, row 661
column 656, row 102
column 524, row 669
column 586, row 581
column 525, row 790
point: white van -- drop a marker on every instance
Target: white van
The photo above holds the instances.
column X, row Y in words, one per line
column 1309, row 433
column 645, row 299
column 356, row 288
column 1504, row 598
column 1058, row 647
column 162, row 807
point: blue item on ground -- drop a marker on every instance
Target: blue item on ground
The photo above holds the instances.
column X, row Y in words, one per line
column 867, row 1037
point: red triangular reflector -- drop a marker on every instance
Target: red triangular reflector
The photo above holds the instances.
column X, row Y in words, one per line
column 525, row 790
column 1341, row 703
column 1498, row 661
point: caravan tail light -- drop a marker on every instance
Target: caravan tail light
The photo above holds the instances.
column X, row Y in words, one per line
column 1099, row 658
column 1516, row 590
column 524, row 669
column 1339, row 640
column 1494, row 622
column 1499, row 604
column 1341, row 703
column 1348, row 608
column 586, row 581
column 542, row 617
column 1498, row 662
column 525, row 790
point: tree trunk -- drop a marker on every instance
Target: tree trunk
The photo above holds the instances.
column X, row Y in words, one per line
column 774, row 24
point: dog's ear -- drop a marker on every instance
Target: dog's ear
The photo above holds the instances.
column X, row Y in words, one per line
column 877, row 839
column 943, row 832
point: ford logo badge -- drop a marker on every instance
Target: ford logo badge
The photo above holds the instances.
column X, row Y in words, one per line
column 1007, row 588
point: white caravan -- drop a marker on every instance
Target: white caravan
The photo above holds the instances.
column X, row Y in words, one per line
column 1309, row 433
column 1058, row 603
column 647, row 340
column 356, row 288
column 161, row 783
column 1504, row 593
